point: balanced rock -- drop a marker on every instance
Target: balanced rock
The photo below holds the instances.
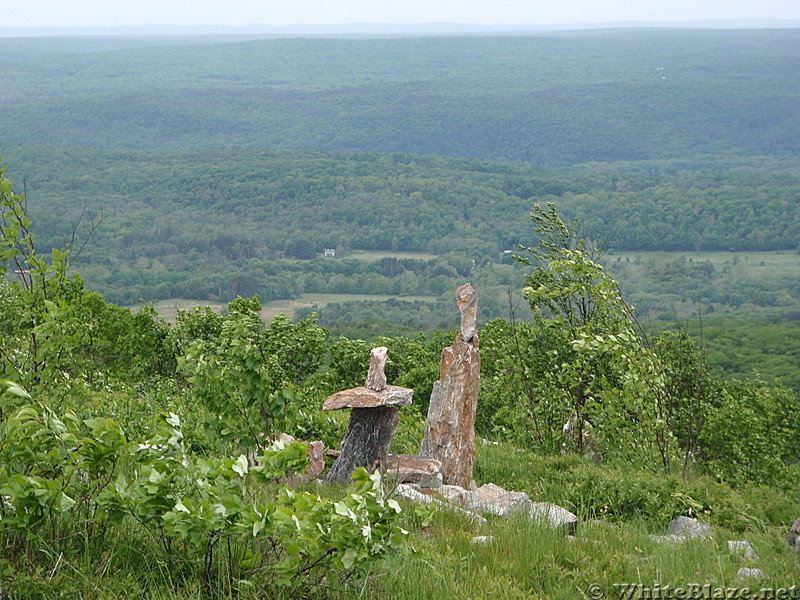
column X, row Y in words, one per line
column 373, row 420
column 450, row 426
column 376, row 378
column 467, row 301
column 364, row 397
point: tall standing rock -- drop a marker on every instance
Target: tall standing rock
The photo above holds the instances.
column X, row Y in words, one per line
column 450, row 428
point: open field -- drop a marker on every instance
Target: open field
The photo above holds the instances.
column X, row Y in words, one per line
column 664, row 285
column 755, row 264
column 168, row 309
column 270, row 309
column 378, row 255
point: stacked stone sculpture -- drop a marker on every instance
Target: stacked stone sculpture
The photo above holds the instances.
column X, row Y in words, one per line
column 373, row 420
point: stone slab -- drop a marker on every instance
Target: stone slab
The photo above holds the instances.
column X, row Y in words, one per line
column 408, row 468
column 363, row 397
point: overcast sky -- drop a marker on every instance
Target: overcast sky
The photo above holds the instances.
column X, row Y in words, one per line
column 50, row 13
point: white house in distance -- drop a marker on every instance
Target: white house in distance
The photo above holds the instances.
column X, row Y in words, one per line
column 330, row 252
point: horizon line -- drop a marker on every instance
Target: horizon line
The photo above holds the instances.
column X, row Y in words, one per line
column 389, row 27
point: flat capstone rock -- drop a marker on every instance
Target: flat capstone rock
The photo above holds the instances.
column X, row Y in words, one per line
column 363, row 397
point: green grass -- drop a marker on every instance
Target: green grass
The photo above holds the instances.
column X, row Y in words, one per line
column 521, row 561
column 526, row 561
column 751, row 264
column 373, row 255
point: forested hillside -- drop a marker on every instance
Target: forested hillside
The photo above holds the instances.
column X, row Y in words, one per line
column 556, row 99
column 214, row 224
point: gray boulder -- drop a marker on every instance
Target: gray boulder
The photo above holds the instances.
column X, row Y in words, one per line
column 687, row 527
column 743, row 548
column 793, row 537
column 744, row 574
column 553, row 516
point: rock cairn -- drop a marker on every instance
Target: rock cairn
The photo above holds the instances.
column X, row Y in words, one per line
column 373, row 419
column 450, row 426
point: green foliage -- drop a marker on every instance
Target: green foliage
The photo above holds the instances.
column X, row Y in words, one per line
column 299, row 348
column 64, row 478
column 53, row 467
column 199, row 323
column 72, row 487
column 592, row 367
column 235, row 380
column 247, row 376
column 349, row 363
column 200, row 502
column 580, row 359
column 744, row 349
column 692, row 394
column 751, row 435
column 58, row 336
column 301, row 248
column 627, row 492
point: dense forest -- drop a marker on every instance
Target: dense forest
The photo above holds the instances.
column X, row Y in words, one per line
column 215, row 224
column 553, row 99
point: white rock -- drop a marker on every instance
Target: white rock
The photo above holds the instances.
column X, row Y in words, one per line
column 553, row 516
column 689, row 528
column 489, row 491
column 507, row 504
column 411, row 493
column 743, row 548
column 483, row 540
column 745, row 573
column 452, row 493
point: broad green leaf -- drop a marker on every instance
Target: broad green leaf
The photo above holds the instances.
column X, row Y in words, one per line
column 241, row 465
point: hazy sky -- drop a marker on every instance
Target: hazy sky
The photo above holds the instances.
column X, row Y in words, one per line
column 47, row 13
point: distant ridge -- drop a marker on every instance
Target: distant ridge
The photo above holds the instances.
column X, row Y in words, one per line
column 386, row 28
